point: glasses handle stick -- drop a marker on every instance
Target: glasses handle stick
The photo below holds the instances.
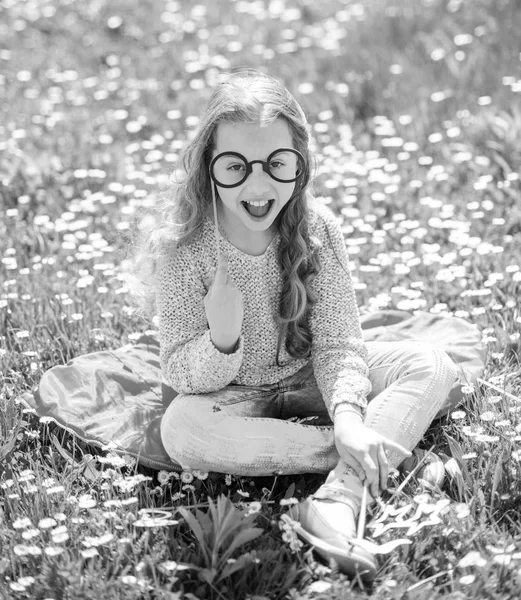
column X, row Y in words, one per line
column 361, row 518
column 217, row 234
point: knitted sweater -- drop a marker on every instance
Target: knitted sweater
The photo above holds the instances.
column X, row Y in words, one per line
column 192, row 364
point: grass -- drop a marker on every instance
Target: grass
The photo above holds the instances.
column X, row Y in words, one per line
column 414, row 109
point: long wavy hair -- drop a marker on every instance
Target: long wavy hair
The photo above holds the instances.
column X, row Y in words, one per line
column 247, row 96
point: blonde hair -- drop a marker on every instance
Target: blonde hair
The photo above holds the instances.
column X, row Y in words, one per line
column 247, row 96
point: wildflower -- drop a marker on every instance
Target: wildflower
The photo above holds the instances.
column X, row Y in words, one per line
column 188, row 487
column 124, row 540
column 17, row 587
column 200, row 474
column 112, row 504
column 253, row 507
column 508, row 550
column 164, row 477
column 89, row 553
column 288, row 501
column 228, row 479
column 187, row 477
column 488, row 415
column 462, row 510
column 243, row 494
column 129, row 501
column 114, row 459
column 289, row 535
column 127, row 484
column 53, row 550
column 20, row 550
column 22, row 523
column 59, row 535
column 458, row 415
column 487, row 439
column 472, row 559
column 85, row 501
column 98, row 541
column 57, row 489
column 467, row 579
column 494, row 399
column 178, row 496
column 502, row 559
column 28, row 534
column 319, row 587
column 26, row 581
column 467, row 389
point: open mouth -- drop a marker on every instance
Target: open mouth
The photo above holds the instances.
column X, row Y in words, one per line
column 258, row 212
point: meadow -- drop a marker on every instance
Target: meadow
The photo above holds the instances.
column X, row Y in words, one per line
column 415, row 109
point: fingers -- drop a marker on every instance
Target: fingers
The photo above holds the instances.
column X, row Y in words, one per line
column 355, row 465
column 221, row 274
column 375, row 467
column 384, row 468
column 369, row 463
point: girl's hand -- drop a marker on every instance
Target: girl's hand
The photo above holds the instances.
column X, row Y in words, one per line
column 364, row 450
column 224, row 308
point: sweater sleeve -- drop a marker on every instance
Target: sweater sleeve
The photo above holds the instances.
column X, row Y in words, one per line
column 338, row 351
column 190, row 362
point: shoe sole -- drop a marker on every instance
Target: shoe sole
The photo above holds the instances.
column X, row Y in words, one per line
column 353, row 561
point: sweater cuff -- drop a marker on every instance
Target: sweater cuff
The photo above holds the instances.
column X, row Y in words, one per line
column 218, row 357
column 211, row 370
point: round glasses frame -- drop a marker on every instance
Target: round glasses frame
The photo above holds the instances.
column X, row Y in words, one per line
column 249, row 167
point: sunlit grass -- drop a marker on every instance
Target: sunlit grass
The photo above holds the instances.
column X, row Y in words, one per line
column 414, row 109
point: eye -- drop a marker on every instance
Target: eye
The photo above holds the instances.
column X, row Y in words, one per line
column 235, row 167
column 276, row 164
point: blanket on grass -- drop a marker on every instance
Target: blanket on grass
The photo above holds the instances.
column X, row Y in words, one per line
column 116, row 398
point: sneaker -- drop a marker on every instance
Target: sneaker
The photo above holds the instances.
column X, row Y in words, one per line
column 331, row 541
column 432, row 470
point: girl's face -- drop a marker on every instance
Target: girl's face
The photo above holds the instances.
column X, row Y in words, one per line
column 254, row 143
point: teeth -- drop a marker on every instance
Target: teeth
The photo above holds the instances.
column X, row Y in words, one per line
column 257, row 202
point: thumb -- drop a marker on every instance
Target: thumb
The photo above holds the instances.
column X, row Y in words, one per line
column 221, row 274
column 390, row 445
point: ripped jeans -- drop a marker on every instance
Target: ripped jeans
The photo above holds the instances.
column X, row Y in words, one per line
column 245, row 430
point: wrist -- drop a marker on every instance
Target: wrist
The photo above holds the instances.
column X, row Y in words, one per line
column 349, row 413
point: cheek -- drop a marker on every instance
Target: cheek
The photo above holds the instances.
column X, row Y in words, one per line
column 285, row 191
column 228, row 195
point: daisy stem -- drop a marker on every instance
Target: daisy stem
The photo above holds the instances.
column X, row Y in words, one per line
column 497, row 389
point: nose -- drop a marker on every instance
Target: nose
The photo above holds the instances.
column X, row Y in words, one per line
column 259, row 181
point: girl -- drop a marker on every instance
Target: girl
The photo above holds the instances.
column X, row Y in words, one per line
column 258, row 323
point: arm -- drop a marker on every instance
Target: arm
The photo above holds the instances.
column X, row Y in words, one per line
column 338, row 351
column 190, row 361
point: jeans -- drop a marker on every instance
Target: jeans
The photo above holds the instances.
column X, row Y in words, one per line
column 244, row 430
